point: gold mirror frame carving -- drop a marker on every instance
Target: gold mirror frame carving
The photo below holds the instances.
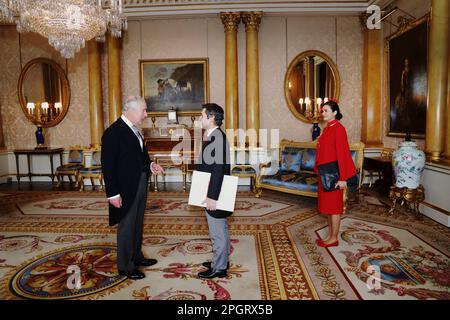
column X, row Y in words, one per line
column 65, row 91
column 292, row 65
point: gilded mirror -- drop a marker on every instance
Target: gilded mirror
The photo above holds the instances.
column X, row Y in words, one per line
column 311, row 79
column 44, row 92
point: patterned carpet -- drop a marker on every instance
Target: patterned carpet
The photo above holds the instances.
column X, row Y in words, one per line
column 47, row 239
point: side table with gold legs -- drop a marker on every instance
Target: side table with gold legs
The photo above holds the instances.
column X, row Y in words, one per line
column 412, row 197
column 168, row 163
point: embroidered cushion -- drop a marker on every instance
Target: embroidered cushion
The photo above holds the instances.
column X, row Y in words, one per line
column 291, row 160
column 309, row 156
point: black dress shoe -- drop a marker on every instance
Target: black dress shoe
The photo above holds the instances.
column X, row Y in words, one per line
column 133, row 275
column 147, row 262
column 210, row 273
column 207, row 264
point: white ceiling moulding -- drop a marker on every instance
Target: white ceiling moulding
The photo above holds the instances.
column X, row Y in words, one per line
column 381, row 3
column 135, row 9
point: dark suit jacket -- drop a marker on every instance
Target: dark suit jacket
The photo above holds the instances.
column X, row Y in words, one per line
column 215, row 159
column 123, row 162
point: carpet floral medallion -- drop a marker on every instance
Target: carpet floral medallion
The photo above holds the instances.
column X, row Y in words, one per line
column 58, row 245
column 48, row 277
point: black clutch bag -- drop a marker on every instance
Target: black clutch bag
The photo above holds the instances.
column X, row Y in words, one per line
column 329, row 176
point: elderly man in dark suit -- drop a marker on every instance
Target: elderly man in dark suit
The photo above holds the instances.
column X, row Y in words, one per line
column 126, row 168
column 215, row 159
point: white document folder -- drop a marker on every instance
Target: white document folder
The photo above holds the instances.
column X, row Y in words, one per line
column 199, row 191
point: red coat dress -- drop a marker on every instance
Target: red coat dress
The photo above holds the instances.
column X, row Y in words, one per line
column 331, row 146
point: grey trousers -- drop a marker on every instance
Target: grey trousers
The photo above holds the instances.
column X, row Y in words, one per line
column 129, row 232
column 218, row 231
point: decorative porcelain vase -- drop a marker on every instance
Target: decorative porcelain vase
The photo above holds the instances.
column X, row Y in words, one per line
column 408, row 163
column 39, row 137
column 315, row 131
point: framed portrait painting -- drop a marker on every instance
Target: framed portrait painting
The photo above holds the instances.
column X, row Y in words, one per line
column 180, row 84
column 407, row 64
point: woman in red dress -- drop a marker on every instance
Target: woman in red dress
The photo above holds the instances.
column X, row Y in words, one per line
column 333, row 146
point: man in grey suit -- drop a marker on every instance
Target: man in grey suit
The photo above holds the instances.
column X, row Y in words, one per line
column 126, row 168
column 215, row 159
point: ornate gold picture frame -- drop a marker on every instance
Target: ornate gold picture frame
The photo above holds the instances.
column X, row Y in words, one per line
column 182, row 84
column 406, row 79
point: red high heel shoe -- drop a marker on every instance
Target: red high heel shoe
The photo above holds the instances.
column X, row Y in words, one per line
column 322, row 244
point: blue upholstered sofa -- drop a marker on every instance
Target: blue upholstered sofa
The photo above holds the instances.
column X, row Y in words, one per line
column 293, row 171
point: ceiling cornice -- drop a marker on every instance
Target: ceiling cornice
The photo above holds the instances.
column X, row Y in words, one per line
column 136, row 9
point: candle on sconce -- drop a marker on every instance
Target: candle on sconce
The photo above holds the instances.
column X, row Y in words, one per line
column 30, row 108
column 308, row 104
column 58, row 107
column 300, row 102
column 319, row 103
column 44, row 107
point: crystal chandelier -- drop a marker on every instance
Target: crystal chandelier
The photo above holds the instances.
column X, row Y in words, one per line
column 67, row 24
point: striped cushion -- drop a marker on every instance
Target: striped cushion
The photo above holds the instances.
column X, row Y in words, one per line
column 91, row 170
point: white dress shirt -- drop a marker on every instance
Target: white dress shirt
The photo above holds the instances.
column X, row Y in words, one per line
column 209, row 131
column 131, row 125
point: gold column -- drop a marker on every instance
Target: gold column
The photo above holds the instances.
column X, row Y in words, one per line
column 437, row 78
column 371, row 131
column 114, row 82
column 95, row 92
column 231, row 21
column 2, row 139
column 447, row 122
column 252, row 21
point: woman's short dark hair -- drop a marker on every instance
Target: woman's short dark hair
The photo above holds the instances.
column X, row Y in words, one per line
column 334, row 107
column 212, row 109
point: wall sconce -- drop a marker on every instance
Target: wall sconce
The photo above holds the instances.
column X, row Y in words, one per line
column 41, row 113
column 311, row 109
